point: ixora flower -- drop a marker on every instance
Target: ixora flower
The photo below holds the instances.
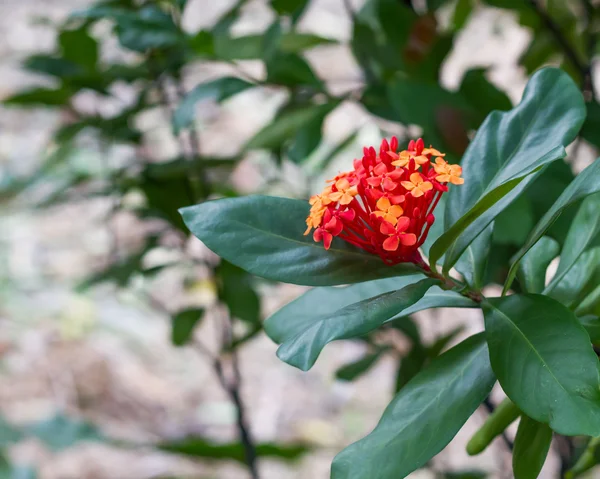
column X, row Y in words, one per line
column 385, row 204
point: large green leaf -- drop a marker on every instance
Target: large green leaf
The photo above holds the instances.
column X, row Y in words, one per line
column 584, row 184
column 532, row 270
column 591, row 324
column 424, row 416
column 583, row 232
column 544, row 361
column 473, row 262
column 357, row 319
column 304, row 312
column 532, row 444
column 507, row 147
column 264, row 236
column 579, row 281
column 219, row 89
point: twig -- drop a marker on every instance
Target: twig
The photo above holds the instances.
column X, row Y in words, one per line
column 568, row 50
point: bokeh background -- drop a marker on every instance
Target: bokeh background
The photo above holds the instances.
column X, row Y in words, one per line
column 94, row 267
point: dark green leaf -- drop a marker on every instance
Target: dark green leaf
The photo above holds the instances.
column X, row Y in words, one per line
column 507, row 147
column 203, row 44
column 483, row 95
column 303, row 313
column 357, row 319
column 532, row 269
column 591, row 128
column 351, row 371
column 473, row 262
column 532, row 444
column 49, row 65
column 585, row 184
column 307, row 139
column 544, row 361
column 503, row 416
column 37, row 97
column 512, row 226
column 295, row 42
column 79, row 47
column 148, row 28
column 286, row 125
column 198, row 447
column 579, row 281
column 61, row 432
column 290, row 69
column 237, row 292
column 183, row 324
column 424, row 417
column 295, row 8
column 219, row 90
column 410, row 365
column 583, row 232
column 462, row 10
column 263, row 235
column 591, row 324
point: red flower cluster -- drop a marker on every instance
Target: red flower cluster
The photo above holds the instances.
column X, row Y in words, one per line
column 385, row 205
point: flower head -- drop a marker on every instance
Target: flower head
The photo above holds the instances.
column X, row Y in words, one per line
column 385, row 204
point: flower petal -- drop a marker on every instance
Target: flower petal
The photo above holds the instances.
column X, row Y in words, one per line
column 387, row 228
column 408, row 239
column 327, row 238
column 391, row 244
column 396, row 211
column 402, row 225
column 383, row 204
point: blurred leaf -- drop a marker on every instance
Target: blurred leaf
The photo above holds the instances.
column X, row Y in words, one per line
column 591, row 128
column 423, row 417
column 583, row 185
column 79, row 47
column 9, row 434
column 353, row 370
column 462, row 10
column 294, row 8
column 219, row 90
column 483, row 95
column 148, row 28
column 307, row 139
column 532, row 269
column 271, row 40
column 61, row 432
column 532, row 444
column 183, row 324
column 286, row 125
column 198, row 447
column 8, row 471
column 503, row 416
column 340, row 148
column 539, row 52
column 292, row 70
column 465, row 474
column 237, row 291
column 54, row 66
column 203, row 43
column 356, row 319
column 410, row 365
column 37, row 97
column 295, row 42
column 528, row 358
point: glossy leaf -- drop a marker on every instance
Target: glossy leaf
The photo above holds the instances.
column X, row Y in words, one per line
column 423, row 417
column 584, row 231
column 507, row 147
column 304, row 312
column 532, row 269
column 200, row 447
column 356, row 319
column 544, row 361
column 591, row 324
column 579, row 281
column 585, row 184
column 183, row 324
column 219, row 89
column 532, row 444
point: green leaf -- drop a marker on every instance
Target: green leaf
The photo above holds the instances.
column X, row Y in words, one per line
column 532, row 444
column 50, row 65
column 544, row 361
column 357, row 319
column 9, row 434
column 295, row 8
column 583, row 232
column 290, row 69
column 286, row 125
column 483, row 95
column 473, row 262
column 513, row 225
column 423, row 417
column 61, row 432
column 591, row 128
column 588, row 459
column 183, row 324
column 236, row 290
column 532, row 269
column 148, row 28
column 579, row 281
column 199, row 447
column 37, row 97
column 79, row 47
column 219, row 90
column 584, row 184
column 503, row 416
column 307, row 139
column 295, row 42
column 462, row 10
column 591, row 324
column 508, row 147
column 303, row 313
column 263, row 235
column 351, row 371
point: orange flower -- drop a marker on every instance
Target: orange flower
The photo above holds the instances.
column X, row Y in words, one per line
column 387, row 211
column 345, row 192
column 397, row 235
column 448, row 173
column 403, row 159
column 417, row 186
column 432, row 151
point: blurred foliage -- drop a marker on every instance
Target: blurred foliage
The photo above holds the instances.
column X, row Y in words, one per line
column 400, row 47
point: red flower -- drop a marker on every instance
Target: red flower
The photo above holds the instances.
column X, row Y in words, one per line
column 362, row 206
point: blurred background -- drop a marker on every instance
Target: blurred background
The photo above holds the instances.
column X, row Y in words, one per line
column 127, row 350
